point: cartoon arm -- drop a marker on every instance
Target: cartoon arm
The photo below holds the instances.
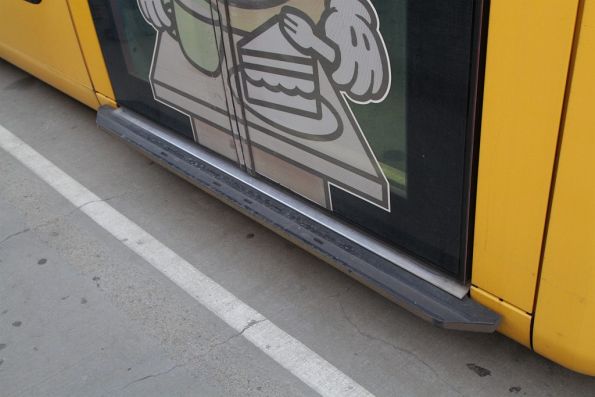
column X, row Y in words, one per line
column 348, row 39
column 301, row 31
column 154, row 13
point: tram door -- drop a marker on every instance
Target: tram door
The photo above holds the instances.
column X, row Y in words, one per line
column 167, row 62
column 363, row 107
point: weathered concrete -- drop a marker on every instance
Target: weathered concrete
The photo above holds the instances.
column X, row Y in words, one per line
column 144, row 322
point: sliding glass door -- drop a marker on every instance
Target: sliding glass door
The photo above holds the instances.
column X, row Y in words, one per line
column 366, row 108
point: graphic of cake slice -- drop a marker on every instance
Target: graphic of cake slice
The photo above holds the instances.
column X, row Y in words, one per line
column 278, row 76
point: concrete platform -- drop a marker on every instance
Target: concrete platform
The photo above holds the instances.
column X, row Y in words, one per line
column 82, row 315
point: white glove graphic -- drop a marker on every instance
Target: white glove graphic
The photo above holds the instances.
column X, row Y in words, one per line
column 154, row 13
column 363, row 68
column 349, row 41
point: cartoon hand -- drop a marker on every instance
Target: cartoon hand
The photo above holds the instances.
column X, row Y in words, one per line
column 299, row 30
column 363, row 70
column 154, row 13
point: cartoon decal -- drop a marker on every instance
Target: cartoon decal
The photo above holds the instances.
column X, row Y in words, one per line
column 267, row 83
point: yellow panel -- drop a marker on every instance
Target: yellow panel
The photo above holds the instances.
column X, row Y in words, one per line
column 85, row 28
column 50, row 76
column 105, row 101
column 40, row 38
column 516, row 324
column 529, row 48
column 564, row 328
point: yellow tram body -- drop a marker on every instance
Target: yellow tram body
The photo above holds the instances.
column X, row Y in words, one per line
column 534, row 228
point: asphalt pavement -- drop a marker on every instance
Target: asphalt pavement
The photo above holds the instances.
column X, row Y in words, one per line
column 81, row 314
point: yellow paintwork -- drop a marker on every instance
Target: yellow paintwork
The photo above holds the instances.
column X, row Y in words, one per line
column 564, row 327
column 40, row 38
column 515, row 324
column 529, row 47
column 529, row 50
column 105, row 101
column 89, row 43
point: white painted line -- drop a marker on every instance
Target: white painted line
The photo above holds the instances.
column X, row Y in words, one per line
column 289, row 352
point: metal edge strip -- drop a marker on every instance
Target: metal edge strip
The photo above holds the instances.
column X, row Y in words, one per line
column 402, row 260
column 395, row 275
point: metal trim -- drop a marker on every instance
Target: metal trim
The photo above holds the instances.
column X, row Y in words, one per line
column 407, row 282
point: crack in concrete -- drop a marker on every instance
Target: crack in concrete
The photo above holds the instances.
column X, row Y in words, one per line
column 59, row 217
column 151, row 376
column 72, row 211
column 10, row 236
column 397, row 348
column 80, row 207
column 251, row 324
column 105, row 200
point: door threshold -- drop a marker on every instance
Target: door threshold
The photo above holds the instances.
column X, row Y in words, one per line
column 402, row 279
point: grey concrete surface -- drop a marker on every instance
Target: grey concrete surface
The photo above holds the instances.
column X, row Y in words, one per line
column 95, row 319
column 61, row 337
